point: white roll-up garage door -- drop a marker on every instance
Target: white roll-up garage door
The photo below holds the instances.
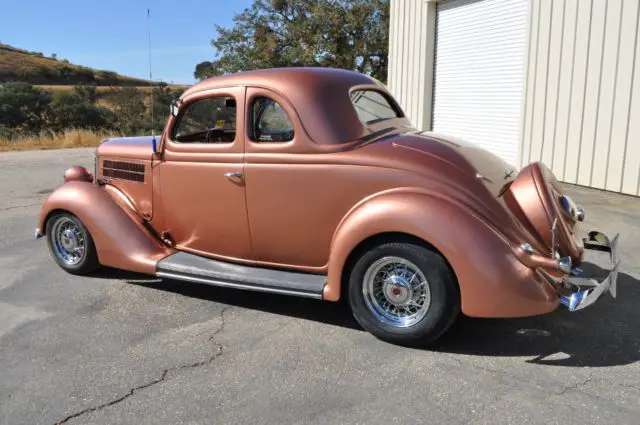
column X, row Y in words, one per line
column 480, row 55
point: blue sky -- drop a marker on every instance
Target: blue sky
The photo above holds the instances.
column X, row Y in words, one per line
column 113, row 35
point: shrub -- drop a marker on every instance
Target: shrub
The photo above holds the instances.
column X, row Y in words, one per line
column 23, row 107
column 68, row 110
column 7, row 133
column 130, row 110
column 86, row 93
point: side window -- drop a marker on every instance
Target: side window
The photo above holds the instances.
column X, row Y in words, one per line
column 269, row 122
column 372, row 106
column 211, row 120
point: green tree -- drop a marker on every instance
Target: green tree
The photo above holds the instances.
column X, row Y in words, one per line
column 350, row 34
column 65, row 72
column 204, row 70
column 71, row 110
column 108, row 77
column 84, row 75
column 23, row 108
column 130, row 110
column 163, row 95
column 86, row 93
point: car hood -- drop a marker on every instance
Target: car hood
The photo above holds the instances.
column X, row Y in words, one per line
column 127, row 147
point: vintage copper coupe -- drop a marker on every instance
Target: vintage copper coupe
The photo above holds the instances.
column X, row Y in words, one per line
column 311, row 182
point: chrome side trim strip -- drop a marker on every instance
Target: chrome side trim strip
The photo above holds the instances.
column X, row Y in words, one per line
column 225, row 284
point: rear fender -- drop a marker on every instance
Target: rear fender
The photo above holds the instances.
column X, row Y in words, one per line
column 492, row 281
column 119, row 234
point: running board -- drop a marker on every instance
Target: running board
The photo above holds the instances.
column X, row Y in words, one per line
column 193, row 268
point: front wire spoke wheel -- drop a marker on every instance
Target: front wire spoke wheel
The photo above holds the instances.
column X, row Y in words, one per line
column 71, row 244
column 68, row 241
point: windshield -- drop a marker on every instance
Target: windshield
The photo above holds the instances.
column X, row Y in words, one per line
column 208, row 120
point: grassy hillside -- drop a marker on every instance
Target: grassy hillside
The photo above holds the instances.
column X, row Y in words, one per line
column 34, row 68
column 50, row 103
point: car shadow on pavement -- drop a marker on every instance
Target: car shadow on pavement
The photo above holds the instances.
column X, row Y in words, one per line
column 336, row 314
column 605, row 334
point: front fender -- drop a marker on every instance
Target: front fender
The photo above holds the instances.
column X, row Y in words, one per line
column 120, row 238
column 493, row 282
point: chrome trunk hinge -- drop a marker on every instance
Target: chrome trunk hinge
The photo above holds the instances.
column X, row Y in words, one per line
column 553, row 238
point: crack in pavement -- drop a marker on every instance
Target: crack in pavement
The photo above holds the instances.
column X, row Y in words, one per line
column 217, row 352
column 18, row 206
column 574, row 387
column 116, row 401
column 633, row 387
column 565, row 389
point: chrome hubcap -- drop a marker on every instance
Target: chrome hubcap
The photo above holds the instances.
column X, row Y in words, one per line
column 68, row 241
column 396, row 292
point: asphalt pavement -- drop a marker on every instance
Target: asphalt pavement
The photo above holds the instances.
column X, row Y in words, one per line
column 124, row 348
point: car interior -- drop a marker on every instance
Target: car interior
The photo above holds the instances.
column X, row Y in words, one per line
column 211, row 120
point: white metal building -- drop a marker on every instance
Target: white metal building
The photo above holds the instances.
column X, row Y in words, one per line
column 550, row 80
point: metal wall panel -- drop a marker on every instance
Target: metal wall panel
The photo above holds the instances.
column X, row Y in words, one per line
column 581, row 89
column 411, row 58
column 582, row 92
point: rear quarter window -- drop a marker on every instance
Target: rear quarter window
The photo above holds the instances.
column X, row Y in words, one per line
column 373, row 106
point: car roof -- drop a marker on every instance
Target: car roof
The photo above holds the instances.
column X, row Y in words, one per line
column 320, row 97
column 294, row 76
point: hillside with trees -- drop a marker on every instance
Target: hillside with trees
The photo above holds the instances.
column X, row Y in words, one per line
column 28, row 112
column 36, row 68
column 44, row 99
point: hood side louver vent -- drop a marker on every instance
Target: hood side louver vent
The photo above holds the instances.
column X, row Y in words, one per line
column 123, row 170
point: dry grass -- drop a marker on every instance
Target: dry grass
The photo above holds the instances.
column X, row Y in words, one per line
column 68, row 139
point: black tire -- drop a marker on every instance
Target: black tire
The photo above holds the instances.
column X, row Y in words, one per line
column 444, row 306
column 88, row 261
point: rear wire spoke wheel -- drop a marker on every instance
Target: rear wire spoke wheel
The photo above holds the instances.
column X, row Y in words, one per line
column 403, row 293
column 70, row 244
column 396, row 291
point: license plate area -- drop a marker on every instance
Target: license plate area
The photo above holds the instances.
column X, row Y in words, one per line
column 587, row 290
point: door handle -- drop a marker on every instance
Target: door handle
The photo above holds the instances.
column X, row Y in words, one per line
column 234, row 174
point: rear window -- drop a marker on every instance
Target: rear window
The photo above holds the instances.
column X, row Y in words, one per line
column 373, row 106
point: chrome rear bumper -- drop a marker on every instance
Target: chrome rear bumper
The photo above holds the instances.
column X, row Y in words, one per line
column 585, row 291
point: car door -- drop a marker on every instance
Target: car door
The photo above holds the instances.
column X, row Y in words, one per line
column 299, row 191
column 294, row 197
column 201, row 176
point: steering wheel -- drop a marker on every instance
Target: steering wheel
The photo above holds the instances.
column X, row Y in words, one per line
column 210, row 134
